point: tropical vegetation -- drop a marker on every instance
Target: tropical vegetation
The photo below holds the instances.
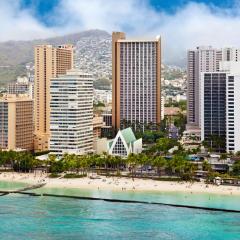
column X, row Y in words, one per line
column 154, row 162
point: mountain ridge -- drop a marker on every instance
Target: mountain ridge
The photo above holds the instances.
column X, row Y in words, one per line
column 14, row 55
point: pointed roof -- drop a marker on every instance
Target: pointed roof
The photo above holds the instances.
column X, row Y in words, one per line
column 128, row 135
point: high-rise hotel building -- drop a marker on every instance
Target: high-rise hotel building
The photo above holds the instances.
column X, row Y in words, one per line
column 220, row 108
column 213, row 110
column 50, row 61
column 71, row 118
column 199, row 60
column 202, row 59
column 16, row 122
column 232, row 69
column 136, row 80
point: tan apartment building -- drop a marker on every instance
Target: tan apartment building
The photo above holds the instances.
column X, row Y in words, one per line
column 136, row 80
column 16, row 122
column 50, row 61
column 97, row 126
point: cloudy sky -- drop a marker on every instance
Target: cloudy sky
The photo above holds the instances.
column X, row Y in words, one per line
column 182, row 24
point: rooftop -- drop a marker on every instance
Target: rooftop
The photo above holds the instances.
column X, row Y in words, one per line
column 128, row 135
column 15, row 98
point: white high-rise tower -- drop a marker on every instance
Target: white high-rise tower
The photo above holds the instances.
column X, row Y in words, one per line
column 71, row 116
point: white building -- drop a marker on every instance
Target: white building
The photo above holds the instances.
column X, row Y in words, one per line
column 104, row 96
column 22, row 86
column 191, row 138
column 162, row 107
column 100, row 145
column 231, row 54
column 233, row 107
column 125, row 143
column 203, row 59
column 221, row 105
column 71, row 113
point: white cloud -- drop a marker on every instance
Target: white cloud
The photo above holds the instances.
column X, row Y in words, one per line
column 194, row 24
column 20, row 24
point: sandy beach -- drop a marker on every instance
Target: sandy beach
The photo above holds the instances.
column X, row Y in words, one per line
column 119, row 184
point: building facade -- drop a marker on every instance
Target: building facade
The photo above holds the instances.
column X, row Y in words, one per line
column 232, row 106
column 97, row 126
column 71, row 117
column 203, row 59
column 21, row 88
column 125, row 143
column 50, row 61
column 106, row 130
column 16, row 122
column 221, row 107
column 231, row 54
column 213, row 110
column 136, row 79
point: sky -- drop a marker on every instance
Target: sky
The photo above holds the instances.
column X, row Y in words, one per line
column 182, row 24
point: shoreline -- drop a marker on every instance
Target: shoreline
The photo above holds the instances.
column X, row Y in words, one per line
column 120, row 184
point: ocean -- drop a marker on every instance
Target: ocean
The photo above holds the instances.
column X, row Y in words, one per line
column 33, row 217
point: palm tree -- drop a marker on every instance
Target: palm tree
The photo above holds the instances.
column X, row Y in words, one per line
column 11, row 155
column 118, row 162
column 206, row 166
column 132, row 162
column 50, row 162
column 142, row 160
column 159, row 162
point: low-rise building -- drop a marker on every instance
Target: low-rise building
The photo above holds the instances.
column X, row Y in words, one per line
column 16, row 122
column 191, row 137
column 97, row 126
column 100, row 145
column 171, row 111
column 125, row 143
column 106, row 130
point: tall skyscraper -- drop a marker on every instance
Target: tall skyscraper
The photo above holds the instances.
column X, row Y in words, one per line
column 16, row 122
column 213, row 110
column 203, row 59
column 71, row 113
column 232, row 106
column 136, row 80
column 220, row 108
column 231, row 54
column 50, row 61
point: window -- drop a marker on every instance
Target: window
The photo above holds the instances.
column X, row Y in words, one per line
column 119, row 148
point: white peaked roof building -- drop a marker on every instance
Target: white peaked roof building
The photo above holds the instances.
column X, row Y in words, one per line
column 125, row 143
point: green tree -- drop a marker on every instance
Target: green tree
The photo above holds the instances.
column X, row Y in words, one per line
column 236, row 168
column 132, row 162
column 159, row 162
column 163, row 145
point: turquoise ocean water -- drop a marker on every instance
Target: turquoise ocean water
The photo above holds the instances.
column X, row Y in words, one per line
column 26, row 217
